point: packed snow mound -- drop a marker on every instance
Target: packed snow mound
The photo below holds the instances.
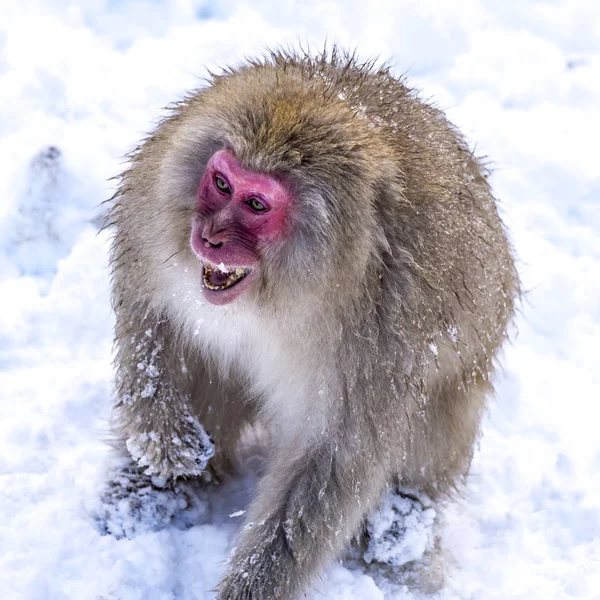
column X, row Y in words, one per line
column 49, row 215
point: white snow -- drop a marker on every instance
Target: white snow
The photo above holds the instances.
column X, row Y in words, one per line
column 81, row 82
column 400, row 531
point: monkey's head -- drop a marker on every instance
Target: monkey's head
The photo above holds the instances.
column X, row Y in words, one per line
column 282, row 179
column 240, row 214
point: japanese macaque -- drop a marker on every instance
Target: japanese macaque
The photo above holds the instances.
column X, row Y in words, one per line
column 305, row 245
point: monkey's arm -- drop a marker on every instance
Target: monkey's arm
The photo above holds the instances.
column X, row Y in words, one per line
column 153, row 412
column 305, row 512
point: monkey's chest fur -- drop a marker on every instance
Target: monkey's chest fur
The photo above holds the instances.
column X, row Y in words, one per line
column 282, row 376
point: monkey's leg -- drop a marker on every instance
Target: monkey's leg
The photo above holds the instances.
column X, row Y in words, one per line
column 306, row 510
column 153, row 410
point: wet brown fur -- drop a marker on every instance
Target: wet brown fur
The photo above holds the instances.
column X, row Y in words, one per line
column 398, row 276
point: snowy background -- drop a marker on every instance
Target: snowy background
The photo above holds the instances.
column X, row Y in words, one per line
column 81, row 82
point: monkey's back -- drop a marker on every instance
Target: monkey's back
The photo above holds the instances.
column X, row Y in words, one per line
column 445, row 230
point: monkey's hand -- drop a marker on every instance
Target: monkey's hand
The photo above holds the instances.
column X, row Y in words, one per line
column 156, row 421
column 305, row 512
column 181, row 448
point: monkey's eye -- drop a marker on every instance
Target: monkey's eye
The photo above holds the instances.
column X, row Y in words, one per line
column 256, row 205
column 222, row 185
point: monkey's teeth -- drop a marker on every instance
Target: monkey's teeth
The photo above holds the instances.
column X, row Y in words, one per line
column 233, row 276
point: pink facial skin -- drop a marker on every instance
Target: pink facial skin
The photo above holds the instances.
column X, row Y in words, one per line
column 228, row 229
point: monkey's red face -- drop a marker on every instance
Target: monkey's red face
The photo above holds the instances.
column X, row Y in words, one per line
column 240, row 214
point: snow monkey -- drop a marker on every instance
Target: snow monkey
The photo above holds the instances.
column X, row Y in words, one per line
column 305, row 245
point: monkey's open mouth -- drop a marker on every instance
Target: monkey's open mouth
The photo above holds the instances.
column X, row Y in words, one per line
column 219, row 277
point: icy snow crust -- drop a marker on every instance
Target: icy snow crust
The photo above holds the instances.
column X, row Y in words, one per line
column 81, row 82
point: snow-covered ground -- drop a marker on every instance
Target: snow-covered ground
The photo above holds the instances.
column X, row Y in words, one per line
column 80, row 82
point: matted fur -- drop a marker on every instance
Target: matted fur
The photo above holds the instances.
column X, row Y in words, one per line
column 367, row 348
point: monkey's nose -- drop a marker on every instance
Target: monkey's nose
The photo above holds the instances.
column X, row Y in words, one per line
column 209, row 244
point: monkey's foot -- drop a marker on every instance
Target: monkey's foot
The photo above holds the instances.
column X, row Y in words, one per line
column 183, row 451
column 132, row 504
column 400, row 530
